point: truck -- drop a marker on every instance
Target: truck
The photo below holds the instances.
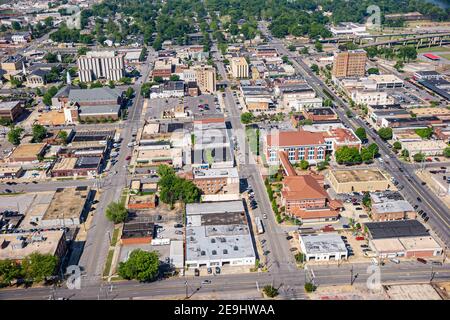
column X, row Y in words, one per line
column 117, row 138
column 259, row 225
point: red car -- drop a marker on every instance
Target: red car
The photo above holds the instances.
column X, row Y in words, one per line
column 128, row 158
column 359, row 238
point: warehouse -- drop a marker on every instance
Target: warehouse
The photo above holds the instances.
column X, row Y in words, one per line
column 358, row 180
column 323, row 247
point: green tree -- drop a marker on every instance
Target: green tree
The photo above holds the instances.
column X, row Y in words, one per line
column 9, row 271
column 347, row 155
column 39, row 133
column 385, row 133
column 315, row 68
column 129, row 93
column 291, row 47
column 304, row 164
column 373, row 71
column 14, row 135
column 318, row 46
column 419, row 157
column 47, row 98
column 96, row 84
column 361, row 134
column 63, row 136
column 270, row 291
column 309, row 287
column 447, row 152
column 38, row 267
column 397, row 145
column 116, row 212
column 366, row 200
column 141, row 266
column 82, row 51
column 174, row 77
column 247, row 117
column 399, row 66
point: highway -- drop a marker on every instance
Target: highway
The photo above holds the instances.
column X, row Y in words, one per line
column 403, row 173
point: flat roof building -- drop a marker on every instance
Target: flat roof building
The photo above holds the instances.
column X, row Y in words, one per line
column 358, row 180
column 323, row 247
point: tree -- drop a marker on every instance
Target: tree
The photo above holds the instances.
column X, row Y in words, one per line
column 51, row 57
column 116, row 212
column 407, row 53
column 315, row 68
column 309, row 287
column 39, row 133
column 270, row 291
column 174, row 77
column 247, row 117
column 47, row 98
column 447, row 152
column 82, row 51
column 299, row 257
column 385, row 133
column 366, row 200
column 129, row 93
column 399, row 66
column 424, row 133
column 291, row 47
column 346, row 155
column 16, row 25
column 419, row 157
column 405, row 153
column 349, row 114
column 373, row 71
column 304, row 164
column 96, row 84
column 304, row 50
column 9, row 271
column 14, row 135
column 318, row 46
column 397, row 145
column 63, row 136
column 38, row 267
column 141, row 266
column 361, row 134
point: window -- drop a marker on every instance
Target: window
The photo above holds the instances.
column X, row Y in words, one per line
column 214, row 252
column 225, row 251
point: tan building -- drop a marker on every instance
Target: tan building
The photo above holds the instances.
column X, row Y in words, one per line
column 239, row 67
column 358, row 180
column 206, row 78
column 27, row 152
column 350, row 63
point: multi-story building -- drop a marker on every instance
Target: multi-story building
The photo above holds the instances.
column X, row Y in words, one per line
column 101, row 65
column 10, row 110
column 217, row 184
column 350, row 63
column 297, row 96
column 163, row 69
column 299, row 145
column 206, row 78
column 239, row 67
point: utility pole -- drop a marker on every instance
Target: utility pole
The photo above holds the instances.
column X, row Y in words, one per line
column 433, row 273
column 186, row 287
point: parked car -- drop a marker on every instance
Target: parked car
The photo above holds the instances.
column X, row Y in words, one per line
column 360, row 238
column 128, row 158
column 209, row 270
column 436, row 263
column 422, row 260
column 217, row 270
column 396, row 261
column 178, row 225
column 197, row 272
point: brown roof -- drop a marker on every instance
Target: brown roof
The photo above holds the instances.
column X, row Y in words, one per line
column 314, row 214
column 290, row 171
column 302, row 187
column 295, row 138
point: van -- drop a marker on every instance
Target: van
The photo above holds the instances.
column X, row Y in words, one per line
column 396, row 261
column 374, row 261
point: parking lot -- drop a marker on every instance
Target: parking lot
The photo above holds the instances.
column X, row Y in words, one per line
column 159, row 105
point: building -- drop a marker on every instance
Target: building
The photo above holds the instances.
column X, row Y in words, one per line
column 239, row 67
column 402, row 238
column 392, row 210
column 427, row 75
column 350, row 63
column 13, row 63
column 76, row 201
column 168, row 90
column 27, row 152
column 305, row 198
column 348, row 28
column 10, row 110
column 336, row 138
column 206, row 78
column 426, row 147
column 217, row 235
column 142, row 201
column 8, row 171
column 162, row 69
column 319, row 114
column 217, row 184
column 137, row 231
column 386, row 81
column 101, row 65
column 264, row 51
column 299, row 145
column 77, row 166
column 18, row 246
column 323, row 247
column 358, row 180
column 176, row 254
column 296, row 97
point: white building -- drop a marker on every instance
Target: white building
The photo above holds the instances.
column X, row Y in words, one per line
column 347, row 28
column 323, row 247
column 217, row 234
column 101, row 64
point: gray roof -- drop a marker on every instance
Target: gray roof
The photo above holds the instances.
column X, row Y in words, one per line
column 396, row 229
column 96, row 94
column 323, row 243
column 101, row 109
column 214, row 207
column 8, row 105
column 392, row 206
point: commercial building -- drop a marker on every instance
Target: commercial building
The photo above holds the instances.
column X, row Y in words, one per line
column 10, row 110
column 27, row 152
column 392, row 210
column 217, row 234
column 13, row 63
column 319, row 114
column 299, row 145
column 403, row 238
column 176, row 254
column 426, row 147
column 323, row 247
column 162, row 69
column 137, row 231
column 239, row 67
column 206, row 78
column 142, row 201
column 350, row 63
column 10, row 171
column 358, row 180
column 348, row 28
column 296, row 97
column 100, row 65
column 173, row 157
column 78, row 166
column 18, row 246
column 217, row 184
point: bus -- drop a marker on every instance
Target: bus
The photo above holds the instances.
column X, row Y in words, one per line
column 259, row 225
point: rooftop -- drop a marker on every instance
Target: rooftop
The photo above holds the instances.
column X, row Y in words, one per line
column 396, row 229
column 8, row 105
column 95, row 94
column 302, row 187
column 137, row 228
column 215, row 173
column 392, row 206
column 358, row 175
column 214, row 207
column 73, row 199
column 323, row 243
column 295, row 138
column 27, row 150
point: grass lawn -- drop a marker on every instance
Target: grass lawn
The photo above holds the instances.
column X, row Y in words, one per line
column 251, row 138
column 434, row 49
column 445, row 56
column 108, row 263
column 114, row 237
